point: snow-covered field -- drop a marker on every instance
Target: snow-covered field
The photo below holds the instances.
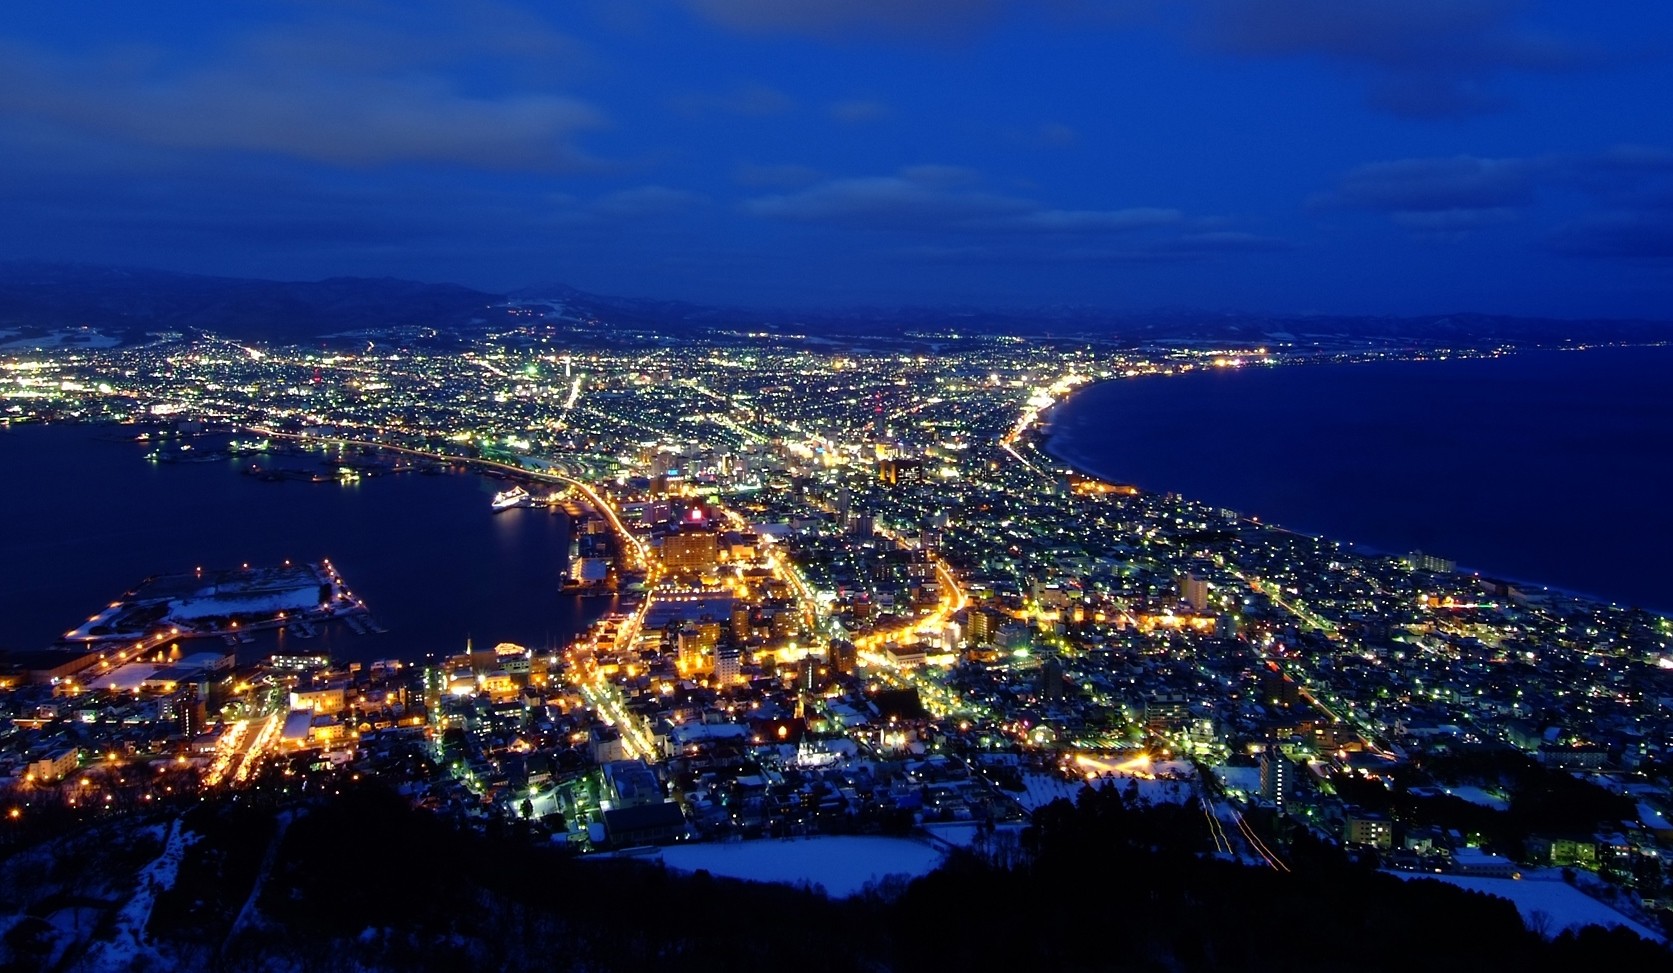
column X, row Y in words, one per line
column 1476, row 795
column 1554, row 904
column 1042, row 789
column 263, row 603
column 128, row 941
column 82, row 338
column 841, row 864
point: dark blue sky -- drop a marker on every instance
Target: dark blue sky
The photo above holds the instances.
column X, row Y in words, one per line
column 1355, row 156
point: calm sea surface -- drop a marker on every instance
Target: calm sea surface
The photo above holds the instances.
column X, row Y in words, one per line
column 1555, row 467
column 87, row 519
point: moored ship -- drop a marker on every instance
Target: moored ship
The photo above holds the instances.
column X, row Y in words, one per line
column 506, row 499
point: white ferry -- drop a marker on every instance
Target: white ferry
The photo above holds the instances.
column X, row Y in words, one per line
column 506, row 499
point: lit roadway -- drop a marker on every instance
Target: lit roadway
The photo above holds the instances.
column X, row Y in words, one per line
column 953, row 599
column 937, row 698
column 1035, row 407
column 89, row 676
column 603, row 699
column 1307, row 615
column 241, row 748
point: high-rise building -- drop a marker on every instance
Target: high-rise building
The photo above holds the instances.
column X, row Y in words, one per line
column 1051, row 679
column 1365, row 828
column 690, row 551
column 1419, row 561
column 1278, row 778
column 1193, row 591
column 984, row 624
column 728, row 664
column 696, row 650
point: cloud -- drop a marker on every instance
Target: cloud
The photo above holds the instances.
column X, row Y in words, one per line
column 1453, row 220
column 1625, row 192
column 1396, row 34
column 775, row 176
column 920, row 197
column 647, row 201
column 859, row 111
column 849, row 17
column 750, row 100
column 1057, row 135
column 1626, row 176
column 1182, row 248
column 1082, row 221
column 1441, row 194
column 1633, row 219
column 425, row 35
column 1226, row 241
column 942, row 200
column 936, row 254
column 1431, row 96
column 1423, row 58
column 1444, row 200
column 1417, row 58
column 929, row 19
column 298, row 91
column 1637, row 236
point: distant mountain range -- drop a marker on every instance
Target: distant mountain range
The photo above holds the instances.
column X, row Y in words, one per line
column 39, row 296
column 132, row 301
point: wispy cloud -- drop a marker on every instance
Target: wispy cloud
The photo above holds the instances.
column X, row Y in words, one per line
column 299, row 91
column 1419, row 57
column 859, row 110
column 945, row 198
column 1415, row 58
column 751, row 99
column 841, row 18
column 1626, row 192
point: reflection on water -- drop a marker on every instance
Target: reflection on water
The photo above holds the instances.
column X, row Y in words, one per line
column 1547, row 466
column 90, row 518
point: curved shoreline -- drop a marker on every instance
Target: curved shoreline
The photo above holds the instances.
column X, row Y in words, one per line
column 1046, row 438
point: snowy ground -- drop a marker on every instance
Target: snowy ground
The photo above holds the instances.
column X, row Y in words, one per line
column 128, row 940
column 842, row 865
column 9, row 340
column 1245, row 780
column 264, row 603
column 1476, row 795
column 1552, row 902
column 1042, row 789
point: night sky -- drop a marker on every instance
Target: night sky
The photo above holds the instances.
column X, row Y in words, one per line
column 1338, row 156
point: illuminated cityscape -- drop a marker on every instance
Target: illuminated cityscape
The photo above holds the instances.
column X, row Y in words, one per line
column 836, row 485
column 851, row 592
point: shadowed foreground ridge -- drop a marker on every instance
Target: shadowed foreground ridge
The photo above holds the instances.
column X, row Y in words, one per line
column 363, row 881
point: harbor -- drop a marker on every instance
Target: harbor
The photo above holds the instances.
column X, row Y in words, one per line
column 224, row 603
column 426, row 554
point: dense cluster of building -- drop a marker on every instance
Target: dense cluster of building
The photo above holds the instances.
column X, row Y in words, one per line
column 857, row 593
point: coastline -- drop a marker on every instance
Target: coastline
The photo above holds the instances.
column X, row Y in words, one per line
column 500, row 578
column 1047, row 438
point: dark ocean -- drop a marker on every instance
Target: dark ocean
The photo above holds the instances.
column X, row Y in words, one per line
column 88, row 518
column 1549, row 467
